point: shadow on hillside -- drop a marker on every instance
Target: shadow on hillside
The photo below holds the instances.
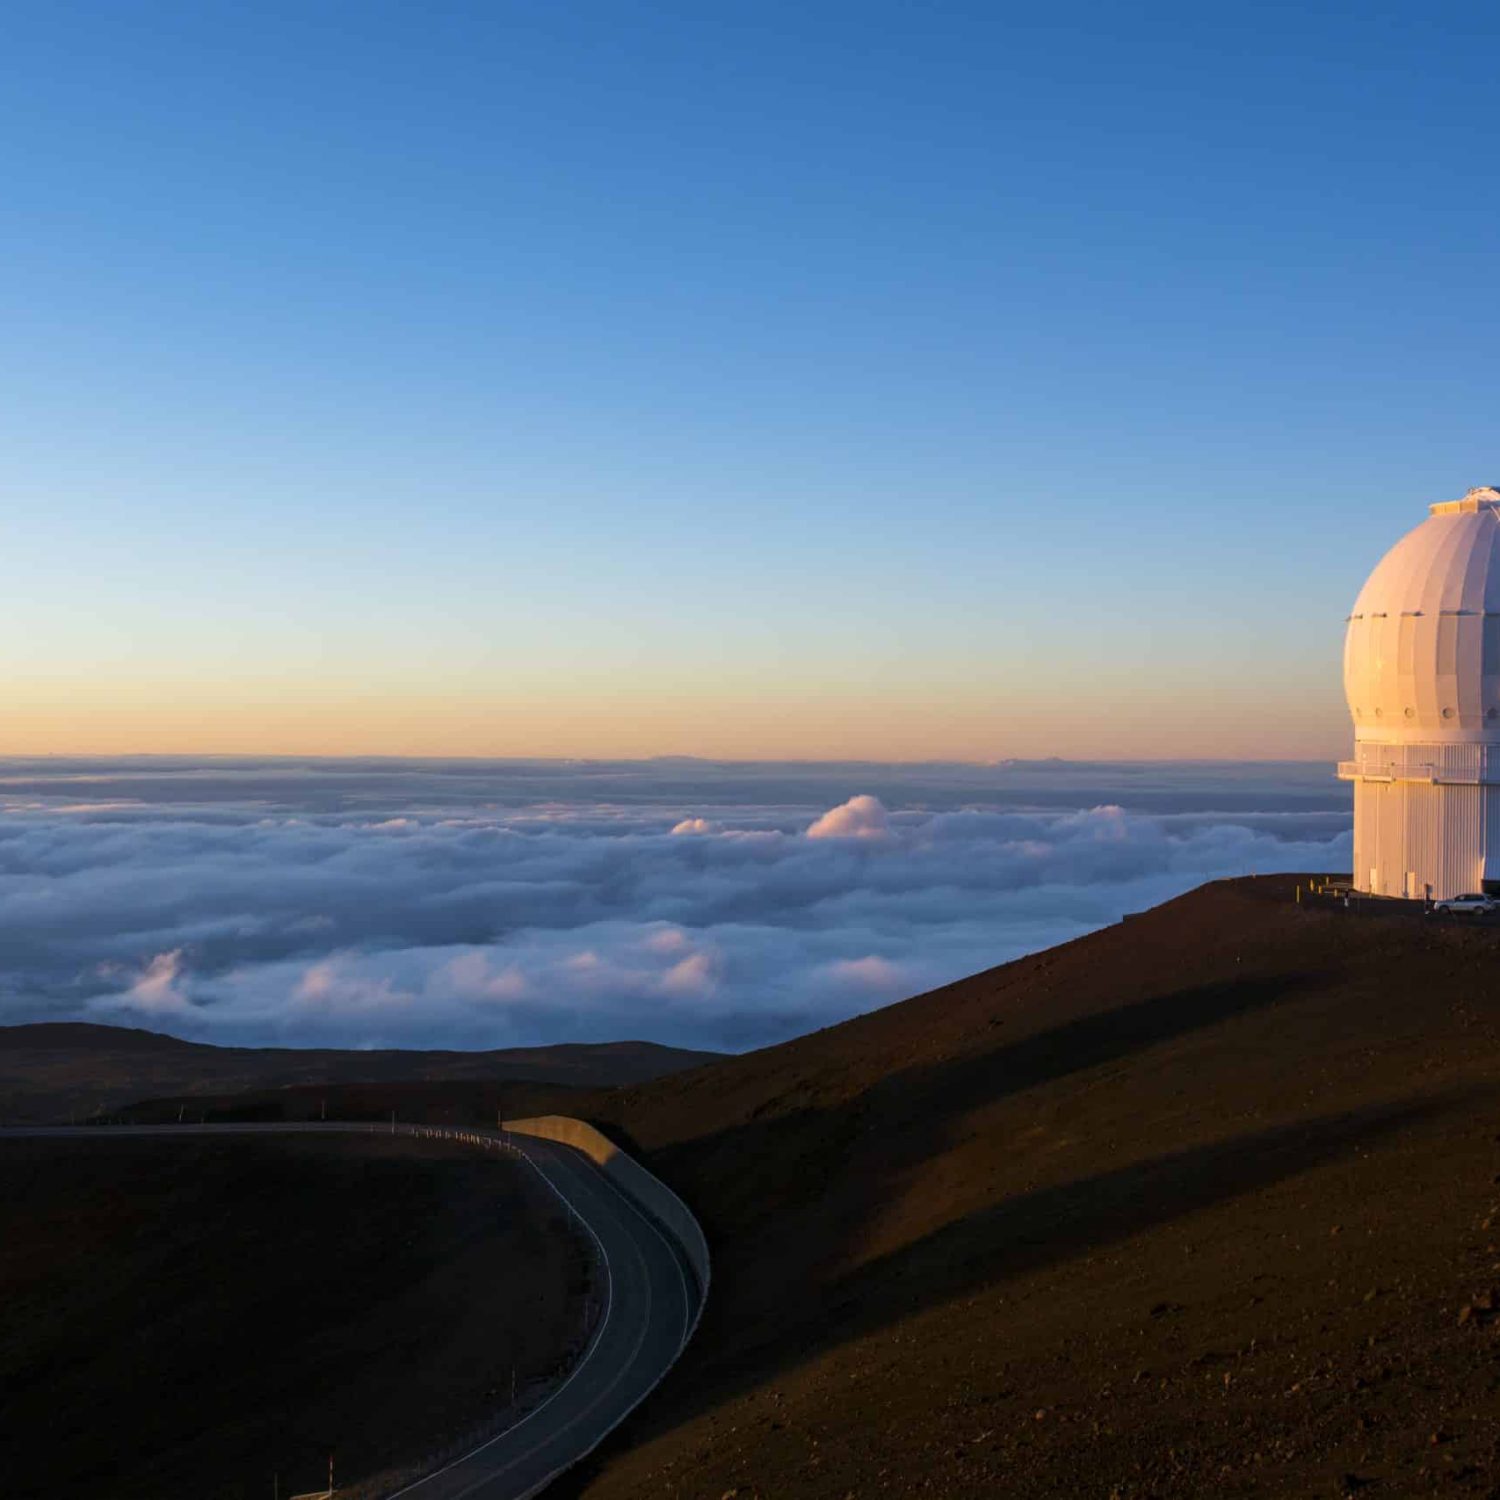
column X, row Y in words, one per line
column 805, row 1178
column 1014, row 1238
column 901, row 1120
column 918, row 1102
column 1051, row 1225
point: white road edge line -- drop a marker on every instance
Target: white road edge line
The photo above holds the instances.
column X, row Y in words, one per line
column 577, row 1369
column 620, row 1374
column 488, row 1140
column 707, row 1272
column 672, row 1255
column 563, row 1468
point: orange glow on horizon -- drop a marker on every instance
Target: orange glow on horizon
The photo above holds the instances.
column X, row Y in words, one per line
column 629, row 720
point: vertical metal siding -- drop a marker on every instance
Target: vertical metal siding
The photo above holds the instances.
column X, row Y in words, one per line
column 1441, row 834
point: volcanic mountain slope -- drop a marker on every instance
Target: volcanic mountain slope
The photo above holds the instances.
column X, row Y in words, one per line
column 213, row 1318
column 53, row 1070
column 1207, row 1202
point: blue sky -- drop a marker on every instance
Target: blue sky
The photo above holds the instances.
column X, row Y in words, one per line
column 728, row 379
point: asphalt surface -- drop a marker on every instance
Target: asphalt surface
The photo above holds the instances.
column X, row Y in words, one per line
column 649, row 1299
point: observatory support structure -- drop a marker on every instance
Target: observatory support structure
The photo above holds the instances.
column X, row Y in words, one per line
column 1426, row 819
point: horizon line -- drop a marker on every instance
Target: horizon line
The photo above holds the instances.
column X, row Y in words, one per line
column 994, row 763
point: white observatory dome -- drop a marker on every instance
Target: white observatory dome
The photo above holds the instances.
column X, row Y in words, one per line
column 1422, row 651
column 1422, row 674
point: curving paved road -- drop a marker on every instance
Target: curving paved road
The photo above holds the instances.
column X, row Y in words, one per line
column 650, row 1297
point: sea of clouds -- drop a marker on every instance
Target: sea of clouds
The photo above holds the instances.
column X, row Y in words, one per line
column 472, row 904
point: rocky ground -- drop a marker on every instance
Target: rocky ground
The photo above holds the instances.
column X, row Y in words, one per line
column 212, row 1319
column 64, row 1072
column 1207, row 1203
column 1204, row 1204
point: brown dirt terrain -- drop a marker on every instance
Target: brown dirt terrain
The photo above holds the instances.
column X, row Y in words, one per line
column 1206, row 1203
column 427, row 1103
column 188, row 1318
column 53, row 1071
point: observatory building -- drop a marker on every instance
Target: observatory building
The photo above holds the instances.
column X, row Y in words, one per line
column 1422, row 676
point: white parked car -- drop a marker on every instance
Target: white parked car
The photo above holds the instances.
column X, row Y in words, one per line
column 1471, row 905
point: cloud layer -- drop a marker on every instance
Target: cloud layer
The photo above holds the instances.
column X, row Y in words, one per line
column 703, row 906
